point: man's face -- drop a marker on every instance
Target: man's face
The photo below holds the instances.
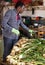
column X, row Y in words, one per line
column 21, row 9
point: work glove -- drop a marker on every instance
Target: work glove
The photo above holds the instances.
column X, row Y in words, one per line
column 15, row 31
column 31, row 32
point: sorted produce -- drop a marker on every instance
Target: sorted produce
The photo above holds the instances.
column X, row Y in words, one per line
column 28, row 52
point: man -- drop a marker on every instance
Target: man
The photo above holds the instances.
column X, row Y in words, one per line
column 10, row 25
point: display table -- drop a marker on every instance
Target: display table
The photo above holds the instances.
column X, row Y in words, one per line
column 28, row 52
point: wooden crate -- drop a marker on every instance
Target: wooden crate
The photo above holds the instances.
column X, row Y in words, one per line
column 41, row 31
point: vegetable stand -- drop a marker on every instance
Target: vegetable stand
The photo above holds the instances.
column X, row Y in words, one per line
column 28, row 52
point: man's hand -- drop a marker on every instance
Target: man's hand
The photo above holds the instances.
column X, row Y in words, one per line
column 31, row 31
column 15, row 31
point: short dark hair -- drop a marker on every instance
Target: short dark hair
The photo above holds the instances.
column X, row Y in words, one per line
column 18, row 4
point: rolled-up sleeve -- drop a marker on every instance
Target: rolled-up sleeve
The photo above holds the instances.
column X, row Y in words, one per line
column 5, row 20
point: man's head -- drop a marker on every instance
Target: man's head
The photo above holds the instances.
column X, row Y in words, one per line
column 19, row 7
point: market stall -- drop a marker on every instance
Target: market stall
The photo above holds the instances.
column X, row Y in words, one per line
column 28, row 52
column 30, row 48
